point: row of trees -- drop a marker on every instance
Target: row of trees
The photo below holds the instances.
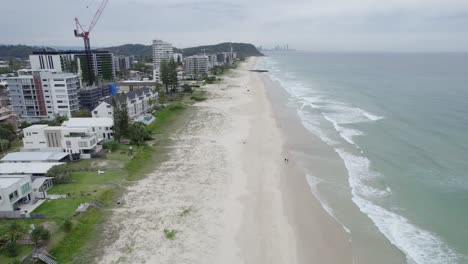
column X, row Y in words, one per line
column 168, row 74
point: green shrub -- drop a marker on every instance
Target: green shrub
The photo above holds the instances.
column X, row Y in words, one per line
column 12, row 249
column 111, row 145
column 67, row 225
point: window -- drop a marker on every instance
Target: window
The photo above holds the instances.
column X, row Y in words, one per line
column 46, row 91
column 83, row 144
column 59, row 85
column 68, row 142
column 13, row 195
column 62, row 106
column 25, row 188
column 59, row 80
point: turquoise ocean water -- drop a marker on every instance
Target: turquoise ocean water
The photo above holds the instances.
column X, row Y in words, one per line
column 399, row 122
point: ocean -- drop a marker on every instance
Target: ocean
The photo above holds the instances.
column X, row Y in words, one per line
column 399, row 122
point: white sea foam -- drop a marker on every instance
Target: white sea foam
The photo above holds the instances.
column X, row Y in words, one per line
column 420, row 246
column 313, row 126
column 346, row 133
column 313, row 184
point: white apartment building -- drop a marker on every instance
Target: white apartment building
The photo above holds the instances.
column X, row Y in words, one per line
column 196, row 65
column 42, row 95
column 161, row 51
column 138, row 104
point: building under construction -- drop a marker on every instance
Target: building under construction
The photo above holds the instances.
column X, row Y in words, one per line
column 75, row 62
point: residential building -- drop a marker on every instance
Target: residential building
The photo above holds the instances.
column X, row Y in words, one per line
column 161, row 51
column 130, row 85
column 123, row 62
column 196, row 65
column 212, row 60
column 19, row 191
column 36, row 156
column 78, row 137
column 74, row 61
column 90, row 96
column 138, row 104
column 39, row 95
column 15, row 190
column 102, row 126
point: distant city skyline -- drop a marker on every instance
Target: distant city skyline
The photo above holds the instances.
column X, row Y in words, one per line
column 316, row 25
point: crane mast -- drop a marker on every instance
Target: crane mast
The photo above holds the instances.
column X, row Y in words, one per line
column 82, row 33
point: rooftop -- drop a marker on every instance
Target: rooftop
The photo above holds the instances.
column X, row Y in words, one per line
column 89, row 122
column 35, row 127
column 31, row 168
column 7, row 182
column 34, row 156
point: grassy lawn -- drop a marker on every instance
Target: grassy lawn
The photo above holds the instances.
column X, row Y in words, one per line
column 86, row 186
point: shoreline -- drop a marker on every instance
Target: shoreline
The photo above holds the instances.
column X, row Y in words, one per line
column 226, row 191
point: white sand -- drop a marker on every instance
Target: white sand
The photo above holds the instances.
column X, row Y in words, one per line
column 225, row 166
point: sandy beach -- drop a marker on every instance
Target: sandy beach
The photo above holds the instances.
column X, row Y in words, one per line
column 227, row 191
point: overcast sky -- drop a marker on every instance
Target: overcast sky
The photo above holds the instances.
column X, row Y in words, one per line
column 318, row 25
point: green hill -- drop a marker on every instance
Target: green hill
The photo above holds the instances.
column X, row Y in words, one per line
column 242, row 49
column 131, row 50
column 18, row 51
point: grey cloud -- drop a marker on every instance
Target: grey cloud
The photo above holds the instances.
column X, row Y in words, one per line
column 305, row 24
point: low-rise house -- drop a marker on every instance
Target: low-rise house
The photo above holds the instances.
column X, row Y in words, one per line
column 18, row 190
column 15, row 190
column 138, row 104
column 28, row 157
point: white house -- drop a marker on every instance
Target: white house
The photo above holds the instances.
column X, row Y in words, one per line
column 14, row 191
column 138, row 104
column 102, row 126
column 79, row 137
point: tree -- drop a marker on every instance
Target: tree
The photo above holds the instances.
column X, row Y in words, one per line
column 13, row 233
column 82, row 113
column 120, row 115
column 39, row 234
column 4, row 144
column 60, row 173
column 8, row 132
column 138, row 133
column 172, row 67
column 179, row 60
column 164, row 74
